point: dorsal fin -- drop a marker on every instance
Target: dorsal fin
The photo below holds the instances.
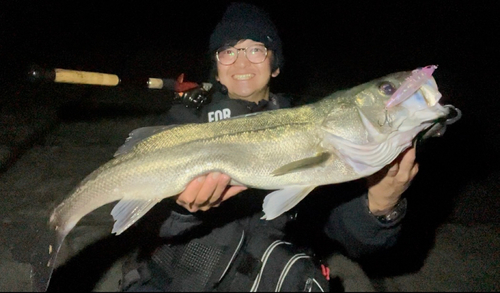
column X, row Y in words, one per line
column 138, row 135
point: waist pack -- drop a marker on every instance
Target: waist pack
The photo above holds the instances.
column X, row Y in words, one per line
column 231, row 259
column 281, row 267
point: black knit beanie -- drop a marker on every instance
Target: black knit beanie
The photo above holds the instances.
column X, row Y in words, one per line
column 245, row 21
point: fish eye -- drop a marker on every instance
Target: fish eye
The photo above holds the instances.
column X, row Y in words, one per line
column 387, row 88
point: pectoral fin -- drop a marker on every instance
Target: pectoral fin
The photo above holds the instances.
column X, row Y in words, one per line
column 302, row 164
column 280, row 201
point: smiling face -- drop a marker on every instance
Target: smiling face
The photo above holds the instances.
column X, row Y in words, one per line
column 246, row 80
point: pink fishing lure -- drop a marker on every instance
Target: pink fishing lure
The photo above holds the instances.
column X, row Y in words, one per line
column 411, row 85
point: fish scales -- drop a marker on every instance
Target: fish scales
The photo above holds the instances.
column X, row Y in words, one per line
column 266, row 120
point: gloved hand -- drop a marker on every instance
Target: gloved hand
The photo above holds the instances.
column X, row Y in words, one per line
column 190, row 94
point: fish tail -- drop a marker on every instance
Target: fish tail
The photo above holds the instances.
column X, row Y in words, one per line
column 43, row 259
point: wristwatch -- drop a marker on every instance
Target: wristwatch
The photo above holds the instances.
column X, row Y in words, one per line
column 396, row 213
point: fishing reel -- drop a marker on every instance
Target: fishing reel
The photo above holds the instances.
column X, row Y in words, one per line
column 191, row 94
column 194, row 98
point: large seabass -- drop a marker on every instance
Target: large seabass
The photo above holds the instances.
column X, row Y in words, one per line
column 345, row 136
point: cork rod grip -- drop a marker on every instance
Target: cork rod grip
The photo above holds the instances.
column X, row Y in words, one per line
column 85, row 77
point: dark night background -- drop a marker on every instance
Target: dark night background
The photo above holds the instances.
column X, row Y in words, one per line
column 335, row 44
column 326, row 46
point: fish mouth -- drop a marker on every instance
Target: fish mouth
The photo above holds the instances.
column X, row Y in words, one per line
column 430, row 92
column 427, row 96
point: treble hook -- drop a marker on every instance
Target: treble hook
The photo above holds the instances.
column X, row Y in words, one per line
column 386, row 120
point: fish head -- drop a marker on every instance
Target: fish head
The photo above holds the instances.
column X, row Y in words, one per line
column 421, row 108
column 367, row 134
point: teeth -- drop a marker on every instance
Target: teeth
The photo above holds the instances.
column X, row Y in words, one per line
column 243, row 76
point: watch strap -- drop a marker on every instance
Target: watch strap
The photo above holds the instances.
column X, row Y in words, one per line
column 396, row 213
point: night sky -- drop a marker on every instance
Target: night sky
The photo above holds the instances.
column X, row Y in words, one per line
column 326, row 46
column 334, row 42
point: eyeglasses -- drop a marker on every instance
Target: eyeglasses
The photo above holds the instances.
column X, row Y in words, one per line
column 227, row 55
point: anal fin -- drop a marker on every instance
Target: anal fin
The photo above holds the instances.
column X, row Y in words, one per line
column 128, row 211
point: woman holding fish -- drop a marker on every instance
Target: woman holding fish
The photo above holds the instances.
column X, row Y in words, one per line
column 214, row 240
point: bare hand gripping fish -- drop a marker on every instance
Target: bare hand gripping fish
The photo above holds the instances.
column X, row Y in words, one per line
column 346, row 136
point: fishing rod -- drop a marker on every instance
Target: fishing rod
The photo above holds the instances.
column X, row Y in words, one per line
column 186, row 92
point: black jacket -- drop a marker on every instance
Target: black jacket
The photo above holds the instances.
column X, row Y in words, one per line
column 331, row 217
